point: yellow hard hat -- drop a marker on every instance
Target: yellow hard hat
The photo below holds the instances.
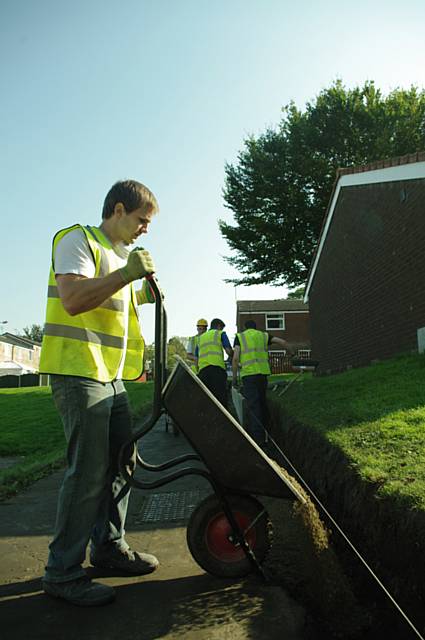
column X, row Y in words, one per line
column 202, row 323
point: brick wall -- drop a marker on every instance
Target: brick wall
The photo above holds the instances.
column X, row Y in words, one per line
column 297, row 327
column 366, row 300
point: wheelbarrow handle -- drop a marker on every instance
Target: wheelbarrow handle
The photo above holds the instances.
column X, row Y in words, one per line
column 154, row 284
column 160, row 373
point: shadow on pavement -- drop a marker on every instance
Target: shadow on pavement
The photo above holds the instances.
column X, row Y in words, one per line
column 201, row 606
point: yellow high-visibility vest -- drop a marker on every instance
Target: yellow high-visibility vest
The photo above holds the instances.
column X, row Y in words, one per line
column 91, row 344
column 254, row 352
column 211, row 350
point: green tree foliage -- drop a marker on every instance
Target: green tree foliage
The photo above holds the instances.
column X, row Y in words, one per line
column 149, row 357
column 296, row 294
column 34, row 332
column 279, row 189
column 176, row 346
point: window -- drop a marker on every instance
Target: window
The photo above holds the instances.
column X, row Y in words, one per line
column 275, row 321
column 7, row 350
column 304, row 353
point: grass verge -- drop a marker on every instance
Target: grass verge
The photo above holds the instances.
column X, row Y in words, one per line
column 358, row 439
column 31, row 432
column 376, row 417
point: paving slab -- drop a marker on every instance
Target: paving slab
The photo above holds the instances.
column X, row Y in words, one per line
column 179, row 600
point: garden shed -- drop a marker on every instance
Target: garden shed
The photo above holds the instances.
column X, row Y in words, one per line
column 365, row 287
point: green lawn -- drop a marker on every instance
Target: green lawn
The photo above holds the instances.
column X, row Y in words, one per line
column 281, row 377
column 376, row 416
column 30, row 428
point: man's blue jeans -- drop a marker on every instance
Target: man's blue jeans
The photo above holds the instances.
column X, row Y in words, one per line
column 93, row 498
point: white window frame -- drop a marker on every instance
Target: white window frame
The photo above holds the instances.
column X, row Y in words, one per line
column 274, row 316
column 304, row 353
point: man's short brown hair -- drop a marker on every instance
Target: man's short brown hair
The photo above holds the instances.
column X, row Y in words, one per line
column 133, row 195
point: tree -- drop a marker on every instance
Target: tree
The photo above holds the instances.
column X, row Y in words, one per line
column 296, row 294
column 149, row 357
column 34, row 333
column 176, row 347
column 280, row 187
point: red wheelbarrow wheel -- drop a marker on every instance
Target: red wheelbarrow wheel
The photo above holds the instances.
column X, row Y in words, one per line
column 209, row 535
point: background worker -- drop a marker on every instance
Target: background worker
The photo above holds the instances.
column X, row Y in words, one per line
column 251, row 354
column 91, row 343
column 211, row 365
column 201, row 327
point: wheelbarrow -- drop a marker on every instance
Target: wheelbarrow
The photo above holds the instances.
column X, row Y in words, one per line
column 229, row 532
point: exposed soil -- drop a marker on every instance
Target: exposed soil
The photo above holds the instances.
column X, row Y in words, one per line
column 303, row 561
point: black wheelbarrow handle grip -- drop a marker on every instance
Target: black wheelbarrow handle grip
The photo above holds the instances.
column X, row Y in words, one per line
column 153, row 281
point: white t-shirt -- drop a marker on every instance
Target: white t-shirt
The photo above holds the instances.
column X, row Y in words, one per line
column 73, row 255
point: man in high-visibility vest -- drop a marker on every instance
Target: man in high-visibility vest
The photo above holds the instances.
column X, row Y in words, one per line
column 212, row 368
column 251, row 355
column 201, row 327
column 91, row 343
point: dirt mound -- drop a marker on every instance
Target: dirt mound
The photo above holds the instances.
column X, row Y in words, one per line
column 303, row 561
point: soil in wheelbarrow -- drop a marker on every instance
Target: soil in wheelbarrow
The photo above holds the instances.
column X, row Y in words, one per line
column 303, row 562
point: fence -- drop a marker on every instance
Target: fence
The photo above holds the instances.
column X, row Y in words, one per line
column 26, row 380
column 281, row 363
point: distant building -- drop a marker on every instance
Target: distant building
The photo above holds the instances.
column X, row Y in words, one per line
column 18, row 355
column 365, row 286
column 287, row 319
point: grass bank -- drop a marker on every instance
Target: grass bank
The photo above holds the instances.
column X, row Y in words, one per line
column 31, row 432
column 376, row 416
column 358, row 439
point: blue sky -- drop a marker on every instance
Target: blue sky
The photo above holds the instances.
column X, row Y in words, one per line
column 165, row 91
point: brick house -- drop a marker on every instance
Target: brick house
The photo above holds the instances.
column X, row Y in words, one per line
column 364, row 287
column 287, row 319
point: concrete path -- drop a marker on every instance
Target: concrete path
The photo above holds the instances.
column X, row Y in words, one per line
column 178, row 601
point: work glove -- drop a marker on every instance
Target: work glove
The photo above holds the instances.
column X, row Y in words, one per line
column 139, row 265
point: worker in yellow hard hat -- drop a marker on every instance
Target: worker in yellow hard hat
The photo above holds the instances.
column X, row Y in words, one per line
column 201, row 327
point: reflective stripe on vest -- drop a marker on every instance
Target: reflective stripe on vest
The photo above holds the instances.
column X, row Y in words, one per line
column 211, row 350
column 254, row 353
column 90, row 344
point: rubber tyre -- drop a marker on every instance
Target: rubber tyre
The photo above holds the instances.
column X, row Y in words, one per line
column 208, row 531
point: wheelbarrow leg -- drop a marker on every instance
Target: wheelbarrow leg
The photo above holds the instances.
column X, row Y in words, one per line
column 240, row 539
column 169, row 422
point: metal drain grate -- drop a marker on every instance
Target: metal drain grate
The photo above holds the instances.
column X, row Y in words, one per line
column 170, row 507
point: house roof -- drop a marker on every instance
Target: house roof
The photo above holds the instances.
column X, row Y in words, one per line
column 19, row 341
column 10, row 367
column 409, row 167
column 260, row 306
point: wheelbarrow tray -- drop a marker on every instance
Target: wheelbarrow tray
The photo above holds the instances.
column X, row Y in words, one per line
column 232, row 457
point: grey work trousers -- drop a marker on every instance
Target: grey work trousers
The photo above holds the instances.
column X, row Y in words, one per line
column 254, row 389
column 94, row 496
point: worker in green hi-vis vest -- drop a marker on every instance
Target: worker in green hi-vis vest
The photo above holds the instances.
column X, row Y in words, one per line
column 201, row 327
column 212, row 368
column 250, row 355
